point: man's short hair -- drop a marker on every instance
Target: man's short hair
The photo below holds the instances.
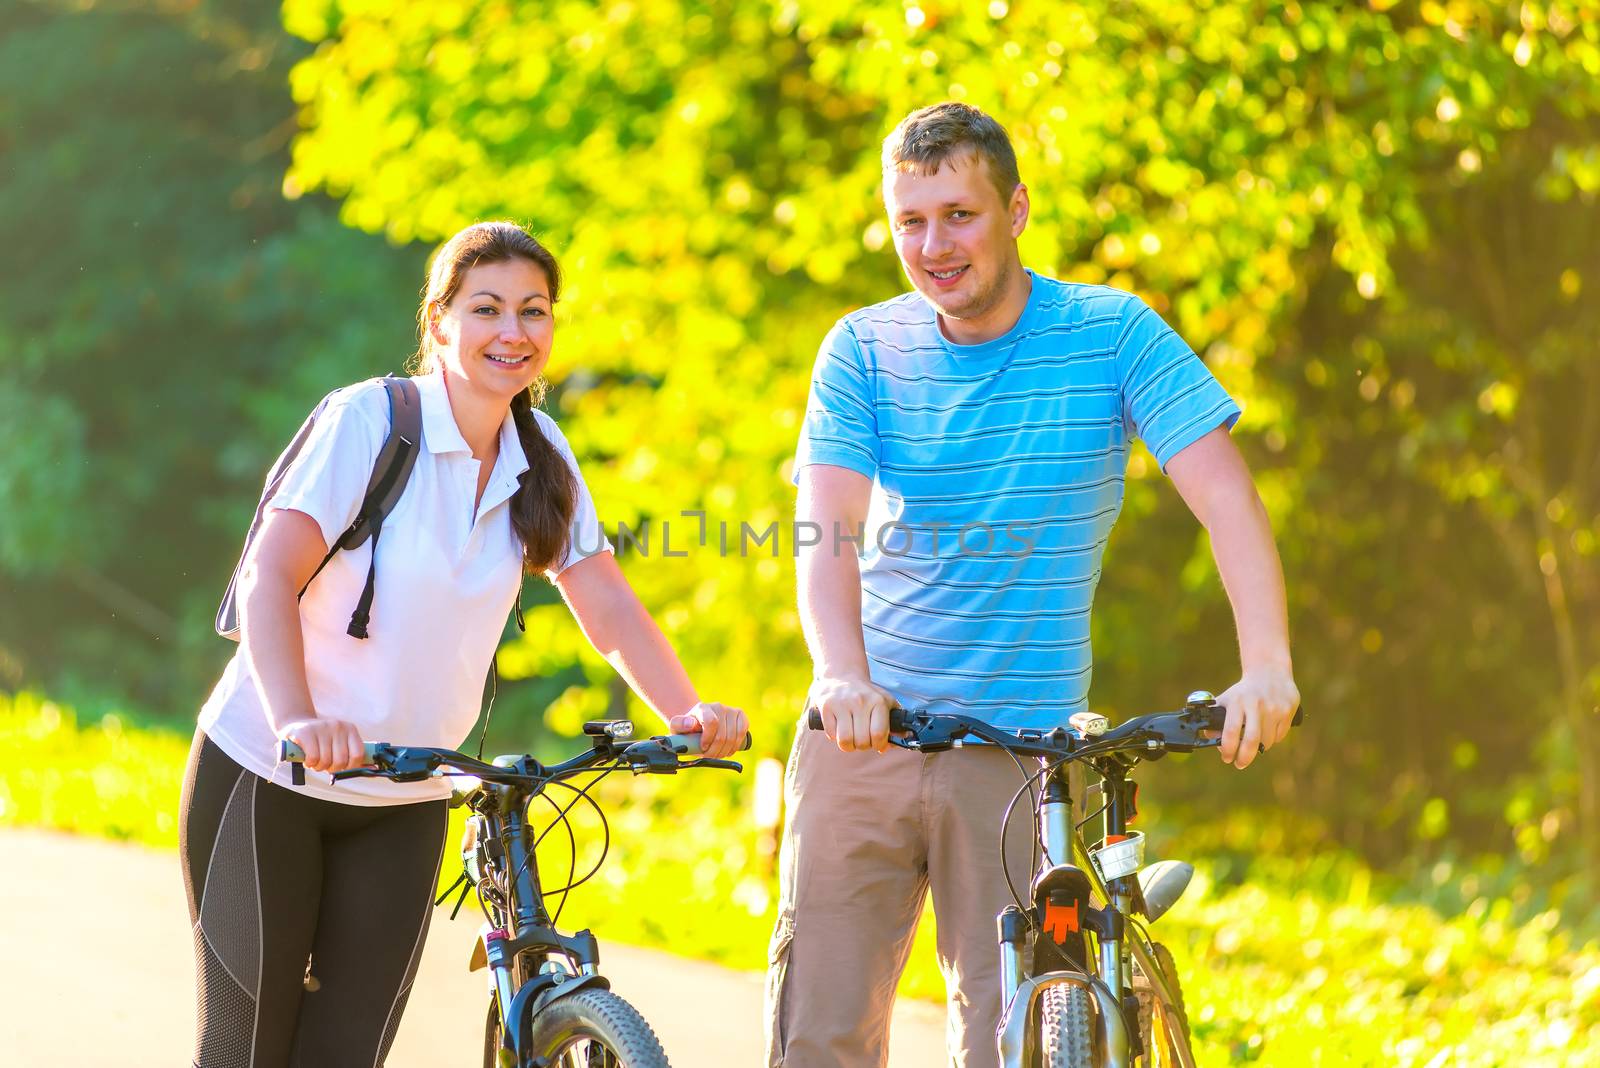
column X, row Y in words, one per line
column 929, row 137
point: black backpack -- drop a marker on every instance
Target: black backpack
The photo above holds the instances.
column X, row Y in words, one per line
column 388, row 481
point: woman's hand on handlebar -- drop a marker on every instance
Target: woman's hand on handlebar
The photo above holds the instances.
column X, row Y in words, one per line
column 1260, row 708
column 722, row 728
column 330, row 744
column 855, row 712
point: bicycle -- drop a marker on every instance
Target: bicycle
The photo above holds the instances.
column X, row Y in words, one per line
column 1064, row 1007
column 549, row 1006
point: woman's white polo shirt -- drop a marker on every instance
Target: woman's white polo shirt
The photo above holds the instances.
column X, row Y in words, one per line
column 447, row 576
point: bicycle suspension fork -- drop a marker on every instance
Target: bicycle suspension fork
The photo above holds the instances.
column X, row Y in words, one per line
column 1055, row 835
column 1118, row 893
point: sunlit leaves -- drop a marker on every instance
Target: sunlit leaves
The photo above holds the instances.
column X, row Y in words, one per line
column 709, row 170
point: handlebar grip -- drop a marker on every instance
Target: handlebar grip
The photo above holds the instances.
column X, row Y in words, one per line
column 690, row 743
column 898, row 720
column 1219, row 715
column 290, row 752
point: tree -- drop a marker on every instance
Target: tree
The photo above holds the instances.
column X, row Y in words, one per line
column 708, row 171
column 167, row 320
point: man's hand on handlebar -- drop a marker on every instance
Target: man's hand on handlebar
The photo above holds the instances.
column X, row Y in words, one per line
column 329, row 744
column 855, row 713
column 722, row 728
column 1261, row 707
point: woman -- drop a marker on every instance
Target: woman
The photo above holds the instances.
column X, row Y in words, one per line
column 342, row 877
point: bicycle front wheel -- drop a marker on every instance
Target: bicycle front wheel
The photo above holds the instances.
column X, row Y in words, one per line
column 1066, row 1027
column 595, row 1029
column 1160, row 1028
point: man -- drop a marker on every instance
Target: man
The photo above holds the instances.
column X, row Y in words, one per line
column 978, row 430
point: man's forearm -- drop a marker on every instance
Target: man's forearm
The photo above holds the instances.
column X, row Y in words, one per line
column 1247, row 560
column 830, row 611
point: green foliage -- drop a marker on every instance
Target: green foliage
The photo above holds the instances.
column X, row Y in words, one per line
column 167, row 320
column 107, row 777
column 1376, row 222
column 1283, row 181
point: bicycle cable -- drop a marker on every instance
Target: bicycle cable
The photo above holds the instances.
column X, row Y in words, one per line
column 605, row 846
column 1005, row 825
column 563, row 818
column 572, row 865
column 1005, row 822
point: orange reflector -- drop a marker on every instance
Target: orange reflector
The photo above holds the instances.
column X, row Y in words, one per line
column 1060, row 921
column 1113, row 839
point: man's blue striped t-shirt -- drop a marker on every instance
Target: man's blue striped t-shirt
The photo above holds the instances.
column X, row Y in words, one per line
column 997, row 473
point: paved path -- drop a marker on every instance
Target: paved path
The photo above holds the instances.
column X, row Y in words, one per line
column 96, row 968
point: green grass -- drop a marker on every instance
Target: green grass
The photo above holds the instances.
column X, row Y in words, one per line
column 1305, row 960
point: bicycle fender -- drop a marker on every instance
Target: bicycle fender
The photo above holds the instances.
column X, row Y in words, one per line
column 537, row 994
column 1062, row 913
column 480, row 953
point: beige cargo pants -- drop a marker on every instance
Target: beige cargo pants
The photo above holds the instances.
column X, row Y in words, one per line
column 867, row 836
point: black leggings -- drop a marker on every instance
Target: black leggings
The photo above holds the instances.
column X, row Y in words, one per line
column 309, row 917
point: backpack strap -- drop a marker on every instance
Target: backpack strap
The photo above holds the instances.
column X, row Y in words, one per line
column 227, row 621
column 390, row 471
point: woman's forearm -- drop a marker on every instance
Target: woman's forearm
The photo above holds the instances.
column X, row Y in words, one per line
column 644, row 658
column 617, row 625
column 274, row 647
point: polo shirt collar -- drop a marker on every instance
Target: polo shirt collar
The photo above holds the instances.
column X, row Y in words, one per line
column 441, row 434
column 439, row 430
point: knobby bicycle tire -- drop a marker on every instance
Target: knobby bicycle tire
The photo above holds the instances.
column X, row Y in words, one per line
column 1159, row 1029
column 1066, row 1027
column 608, row 1024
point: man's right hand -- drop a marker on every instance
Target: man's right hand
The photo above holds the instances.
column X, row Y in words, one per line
column 855, row 713
column 330, row 744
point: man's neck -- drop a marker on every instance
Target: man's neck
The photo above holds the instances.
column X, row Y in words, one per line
column 998, row 320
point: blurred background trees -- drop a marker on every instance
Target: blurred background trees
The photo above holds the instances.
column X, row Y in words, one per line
column 1376, row 222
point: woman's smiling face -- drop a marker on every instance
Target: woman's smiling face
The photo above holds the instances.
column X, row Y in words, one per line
column 495, row 334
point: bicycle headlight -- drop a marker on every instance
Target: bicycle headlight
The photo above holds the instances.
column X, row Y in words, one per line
column 1089, row 724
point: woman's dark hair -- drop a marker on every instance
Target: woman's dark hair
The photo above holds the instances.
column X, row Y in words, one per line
column 547, row 493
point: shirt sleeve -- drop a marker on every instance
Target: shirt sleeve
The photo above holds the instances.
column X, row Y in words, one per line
column 1170, row 398
column 328, row 479
column 587, row 536
column 841, row 427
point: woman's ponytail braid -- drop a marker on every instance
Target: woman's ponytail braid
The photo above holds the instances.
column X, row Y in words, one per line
column 547, row 493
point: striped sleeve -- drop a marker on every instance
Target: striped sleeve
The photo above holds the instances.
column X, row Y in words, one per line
column 841, row 427
column 1169, row 398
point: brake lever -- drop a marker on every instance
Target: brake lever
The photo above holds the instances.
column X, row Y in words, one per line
column 713, row 762
column 356, row 773
column 652, row 756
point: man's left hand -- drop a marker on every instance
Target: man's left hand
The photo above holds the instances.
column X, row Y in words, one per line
column 1260, row 707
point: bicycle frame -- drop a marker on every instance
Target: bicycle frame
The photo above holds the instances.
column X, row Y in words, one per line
column 522, row 928
column 1069, row 880
column 531, row 964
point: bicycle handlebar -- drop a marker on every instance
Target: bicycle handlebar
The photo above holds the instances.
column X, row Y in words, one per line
column 291, row 752
column 1162, row 731
column 660, row 753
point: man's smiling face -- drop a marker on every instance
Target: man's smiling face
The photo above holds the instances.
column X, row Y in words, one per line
column 957, row 237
